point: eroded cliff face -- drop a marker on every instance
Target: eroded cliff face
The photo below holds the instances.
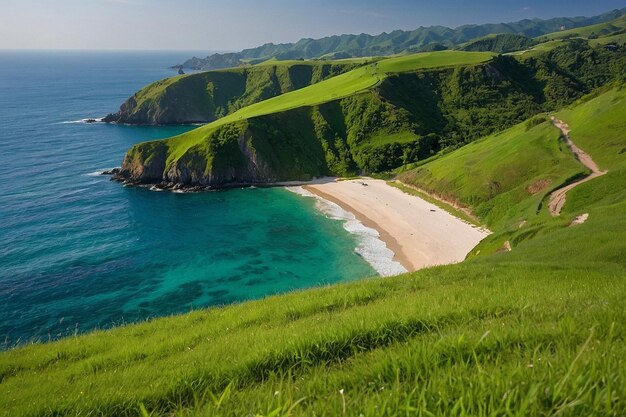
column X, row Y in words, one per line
column 144, row 163
column 229, row 157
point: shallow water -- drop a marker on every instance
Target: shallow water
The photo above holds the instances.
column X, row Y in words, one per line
column 78, row 251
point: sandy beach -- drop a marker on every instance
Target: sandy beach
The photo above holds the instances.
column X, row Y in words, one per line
column 419, row 233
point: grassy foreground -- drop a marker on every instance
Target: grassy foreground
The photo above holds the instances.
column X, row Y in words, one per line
column 478, row 339
column 537, row 331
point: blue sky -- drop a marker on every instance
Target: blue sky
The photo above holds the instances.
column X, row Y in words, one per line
column 237, row 24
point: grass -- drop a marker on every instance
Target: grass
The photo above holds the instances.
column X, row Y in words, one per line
column 427, row 341
column 503, row 177
column 598, row 125
column 207, row 96
column 382, row 138
column 288, row 62
column 536, row 331
column 358, row 80
column 432, row 60
column 540, row 49
column 507, row 178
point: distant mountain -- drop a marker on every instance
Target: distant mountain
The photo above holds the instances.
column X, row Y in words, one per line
column 421, row 39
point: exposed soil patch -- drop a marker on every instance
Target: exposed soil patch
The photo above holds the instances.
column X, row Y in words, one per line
column 538, row 186
column 580, row 219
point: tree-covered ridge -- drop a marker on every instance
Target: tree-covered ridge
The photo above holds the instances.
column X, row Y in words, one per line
column 402, row 118
column 500, row 43
column 398, row 41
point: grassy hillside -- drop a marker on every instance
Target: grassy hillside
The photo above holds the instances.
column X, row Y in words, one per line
column 597, row 123
column 208, row 96
column 204, row 97
column 506, row 178
column 350, row 83
column 611, row 32
column 503, row 177
column 535, row 331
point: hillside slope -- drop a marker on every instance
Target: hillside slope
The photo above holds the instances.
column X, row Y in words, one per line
column 507, row 178
column 535, row 331
column 374, row 118
column 204, row 97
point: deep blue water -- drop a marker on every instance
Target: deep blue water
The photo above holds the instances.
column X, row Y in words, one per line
column 79, row 252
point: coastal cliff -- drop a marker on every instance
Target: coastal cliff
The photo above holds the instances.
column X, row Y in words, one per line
column 205, row 97
column 405, row 117
column 237, row 154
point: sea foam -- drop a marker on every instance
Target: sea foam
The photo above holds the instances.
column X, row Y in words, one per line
column 83, row 121
column 97, row 173
column 370, row 247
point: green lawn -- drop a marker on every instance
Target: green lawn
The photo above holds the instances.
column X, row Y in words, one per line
column 537, row 331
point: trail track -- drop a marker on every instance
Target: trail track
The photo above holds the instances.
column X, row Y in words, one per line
column 557, row 198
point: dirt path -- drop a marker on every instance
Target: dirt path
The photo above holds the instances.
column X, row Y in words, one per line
column 557, row 198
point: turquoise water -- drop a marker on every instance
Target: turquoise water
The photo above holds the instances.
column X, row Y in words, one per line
column 79, row 252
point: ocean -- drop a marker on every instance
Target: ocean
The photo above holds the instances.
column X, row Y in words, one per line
column 79, row 252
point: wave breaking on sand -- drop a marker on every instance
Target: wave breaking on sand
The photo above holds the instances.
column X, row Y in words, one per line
column 370, row 247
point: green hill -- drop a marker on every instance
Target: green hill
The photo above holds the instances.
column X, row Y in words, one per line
column 204, row 97
column 535, row 331
column 505, row 176
column 373, row 118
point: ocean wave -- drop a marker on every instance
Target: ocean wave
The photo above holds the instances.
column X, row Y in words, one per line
column 370, row 247
column 97, row 173
column 83, row 121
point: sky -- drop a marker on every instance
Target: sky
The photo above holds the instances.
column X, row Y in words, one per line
column 236, row 24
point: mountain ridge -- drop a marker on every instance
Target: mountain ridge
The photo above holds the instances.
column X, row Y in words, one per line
column 394, row 42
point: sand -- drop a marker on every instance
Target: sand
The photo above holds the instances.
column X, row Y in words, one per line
column 419, row 233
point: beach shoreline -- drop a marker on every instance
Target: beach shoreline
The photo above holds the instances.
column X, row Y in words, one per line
column 419, row 233
column 388, row 239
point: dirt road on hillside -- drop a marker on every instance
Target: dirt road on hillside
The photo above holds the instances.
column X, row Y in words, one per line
column 557, row 198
